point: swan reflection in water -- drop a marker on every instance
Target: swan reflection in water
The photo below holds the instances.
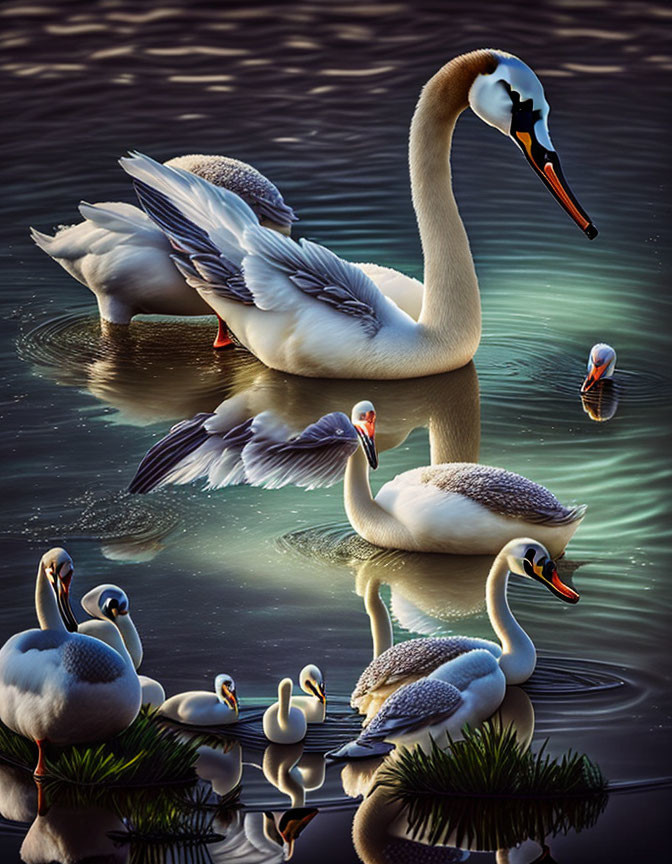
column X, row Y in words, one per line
column 55, row 833
column 163, row 371
column 600, row 403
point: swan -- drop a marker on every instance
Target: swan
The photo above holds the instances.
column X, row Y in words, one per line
column 300, row 308
column 58, row 686
column 202, row 707
column 601, row 365
column 465, row 690
column 314, row 705
column 202, row 446
column 459, row 508
column 516, row 655
column 108, row 604
column 283, row 723
column 125, row 260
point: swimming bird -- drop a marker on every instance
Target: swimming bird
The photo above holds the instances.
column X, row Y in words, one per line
column 109, row 605
column 465, row 690
column 58, row 686
column 408, row 661
column 460, row 508
column 601, row 365
column 202, row 707
column 314, row 705
column 125, row 260
column 299, row 307
column 283, row 723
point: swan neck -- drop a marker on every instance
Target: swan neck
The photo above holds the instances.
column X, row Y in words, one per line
column 519, row 656
column 451, row 307
column 131, row 638
column 366, row 516
column 379, row 616
column 284, row 701
column 46, row 606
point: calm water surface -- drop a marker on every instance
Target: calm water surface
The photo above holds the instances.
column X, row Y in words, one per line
column 319, row 97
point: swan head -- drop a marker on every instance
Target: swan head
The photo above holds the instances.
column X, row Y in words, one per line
column 311, row 681
column 511, row 98
column 363, row 418
column 531, row 559
column 601, row 364
column 106, row 601
column 59, row 569
column 225, row 688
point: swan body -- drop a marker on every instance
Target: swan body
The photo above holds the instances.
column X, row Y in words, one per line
column 283, row 723
column 301, row 309
column 515, row 653
column 111, row 623
column 601, row 365
column 203, row 708
column 59, row 686
column 314, row 705
column 466, row 690
column 124, row 258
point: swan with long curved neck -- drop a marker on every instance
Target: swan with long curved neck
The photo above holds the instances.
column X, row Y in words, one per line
column 59, row 686
column 111, row 622
column 411, row 660
column 301, row 309
column 314, row 704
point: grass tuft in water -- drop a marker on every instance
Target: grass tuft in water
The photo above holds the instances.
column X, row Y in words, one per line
column 145, row 754
column 490, row 790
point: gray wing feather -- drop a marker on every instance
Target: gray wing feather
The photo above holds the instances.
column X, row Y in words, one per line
column 315, row 457
column 324, row 276
column 196, row 257
column 415, row 657
column 502, row 492
column 412, row 706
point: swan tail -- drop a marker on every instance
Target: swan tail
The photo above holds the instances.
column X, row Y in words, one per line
column 360, row 750
column 130, row 221
column 191, row 450
column 197, row 216
column 44, row 241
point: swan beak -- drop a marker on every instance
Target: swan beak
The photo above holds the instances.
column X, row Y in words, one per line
column 229, row 696
column 366, row 429
column 318, row 690
column 63, row 597
column 547, row 165
column 593, row 376
column 547, row 574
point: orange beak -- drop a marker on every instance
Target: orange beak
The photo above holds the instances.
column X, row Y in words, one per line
column 594, row 375
column 547, row 165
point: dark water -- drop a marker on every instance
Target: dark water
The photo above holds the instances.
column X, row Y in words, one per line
column 319, row 97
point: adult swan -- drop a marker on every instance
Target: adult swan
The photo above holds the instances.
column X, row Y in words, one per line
column 301, row 309
column 61, row 686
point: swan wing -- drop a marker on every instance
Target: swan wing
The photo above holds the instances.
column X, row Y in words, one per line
column 422, row 703
column 280, row 274
column 502, row 492
column 401, row 289
column 205, row 446
column 414, row 658
column 315, row 457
